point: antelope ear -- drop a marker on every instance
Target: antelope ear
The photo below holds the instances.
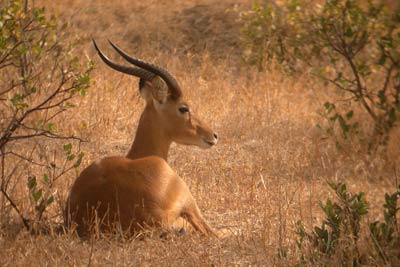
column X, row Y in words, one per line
column 146, row 90
column 159, row 90
column 155, row 90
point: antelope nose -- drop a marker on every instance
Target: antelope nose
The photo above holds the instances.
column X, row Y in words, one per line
column 215, row 135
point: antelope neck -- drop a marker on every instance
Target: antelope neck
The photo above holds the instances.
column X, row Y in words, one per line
column 150, row 139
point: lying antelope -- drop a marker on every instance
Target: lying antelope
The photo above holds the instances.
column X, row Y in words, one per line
column 141, row 189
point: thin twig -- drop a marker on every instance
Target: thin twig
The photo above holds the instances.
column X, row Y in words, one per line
column 46, row 134
column 26, row 159
column 24, row 221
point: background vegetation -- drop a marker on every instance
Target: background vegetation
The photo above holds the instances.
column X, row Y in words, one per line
column 304, row 173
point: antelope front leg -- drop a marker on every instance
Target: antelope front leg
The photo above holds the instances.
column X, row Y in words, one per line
column 193, row 215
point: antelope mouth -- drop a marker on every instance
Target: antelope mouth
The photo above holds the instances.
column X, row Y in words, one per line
column 210, row 143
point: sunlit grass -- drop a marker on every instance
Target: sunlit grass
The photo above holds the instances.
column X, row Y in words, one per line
column 267, row 172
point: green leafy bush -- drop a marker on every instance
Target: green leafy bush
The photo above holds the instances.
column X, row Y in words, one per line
column 39, row 77
column 340, row 230
column 341, row 234
column 273, row 32
column 386, row 234
column 352, row 45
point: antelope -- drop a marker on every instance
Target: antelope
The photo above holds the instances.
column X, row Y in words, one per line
column 141, row 189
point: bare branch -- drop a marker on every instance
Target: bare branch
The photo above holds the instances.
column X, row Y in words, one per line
column 387, row 78
column 3, row 190
column 335, row 83
column 46, row 134
column 12, row 203
column 28, row 159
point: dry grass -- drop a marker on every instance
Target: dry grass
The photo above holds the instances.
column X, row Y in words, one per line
column 267, row 172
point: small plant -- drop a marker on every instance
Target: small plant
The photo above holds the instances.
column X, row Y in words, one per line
column 340, row 230
column 386, row 235
column 41, row 191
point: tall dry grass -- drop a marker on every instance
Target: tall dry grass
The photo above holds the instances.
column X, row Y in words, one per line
column 268, row 171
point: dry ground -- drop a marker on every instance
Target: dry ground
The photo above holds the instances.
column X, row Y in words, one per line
column 268, row 171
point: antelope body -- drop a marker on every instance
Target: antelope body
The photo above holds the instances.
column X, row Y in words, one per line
column 141, row 190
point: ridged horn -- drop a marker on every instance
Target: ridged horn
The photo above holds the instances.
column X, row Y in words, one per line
column 141, row 73
column 173, row 85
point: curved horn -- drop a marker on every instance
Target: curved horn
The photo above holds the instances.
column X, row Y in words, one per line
column 163, row 73
column 141, row 73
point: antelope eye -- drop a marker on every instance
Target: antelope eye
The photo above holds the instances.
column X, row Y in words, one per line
column 183, row 110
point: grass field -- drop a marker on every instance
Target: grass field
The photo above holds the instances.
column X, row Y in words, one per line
column 268, row 171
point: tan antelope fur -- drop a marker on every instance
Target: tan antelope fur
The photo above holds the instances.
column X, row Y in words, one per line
column 141, row 190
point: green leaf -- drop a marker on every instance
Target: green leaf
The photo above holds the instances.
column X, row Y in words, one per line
column 17, row 101
column 321, row 233
column 46, row 178
column 84, row 79
column 341, row 189
column 68, row 148
column 90, row 64
column 349, row 114
column 382, row 60
column 69, row 105
column 31, row 182
column 37, row 195
column 329, row 106
column 362, row 210
column 49, row 201
column 334, row 117
column 79, row 160
column 349, row 31
column 51, row 127
column 81, row 84
column 343, row 125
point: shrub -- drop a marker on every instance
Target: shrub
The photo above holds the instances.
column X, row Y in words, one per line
column 340, row 230
column 340, row 236
column 350, row 44
column 386, row 234
column 273, row 32
column 39, row 78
